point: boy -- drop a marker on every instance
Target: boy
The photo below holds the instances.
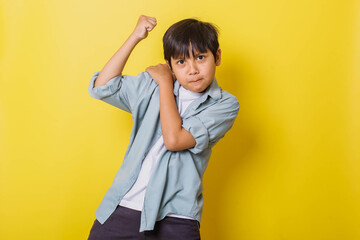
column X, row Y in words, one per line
column 179, row 113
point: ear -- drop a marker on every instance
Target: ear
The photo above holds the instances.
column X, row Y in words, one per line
column 167, row 62
column 173, row 74
column 218, row 57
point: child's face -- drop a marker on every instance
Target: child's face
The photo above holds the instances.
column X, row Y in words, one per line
column 197, row 72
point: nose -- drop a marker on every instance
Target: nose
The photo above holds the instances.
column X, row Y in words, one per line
column 193, row 68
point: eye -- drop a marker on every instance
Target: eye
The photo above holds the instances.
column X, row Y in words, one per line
column 201, row 57
column 180, row 62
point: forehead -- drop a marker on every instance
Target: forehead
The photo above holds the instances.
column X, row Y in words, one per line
column 189, row 54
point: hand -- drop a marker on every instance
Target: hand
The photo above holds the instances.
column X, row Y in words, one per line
column 144, row 25
column 161, row 73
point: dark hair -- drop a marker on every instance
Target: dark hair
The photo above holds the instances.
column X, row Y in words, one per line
column 201, row 35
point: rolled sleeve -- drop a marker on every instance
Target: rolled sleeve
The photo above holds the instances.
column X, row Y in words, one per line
column 210, row 125
column 106, row 90
column 199, row 132
column 122, row 91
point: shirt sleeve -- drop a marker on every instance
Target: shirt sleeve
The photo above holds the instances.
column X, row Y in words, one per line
column 122, row 91
column 210, row 125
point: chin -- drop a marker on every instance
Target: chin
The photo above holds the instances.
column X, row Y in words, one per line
column 199, row 90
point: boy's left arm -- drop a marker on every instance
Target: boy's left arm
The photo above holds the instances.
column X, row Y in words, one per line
column 176, row 138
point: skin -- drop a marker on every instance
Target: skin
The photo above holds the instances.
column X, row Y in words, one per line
column 195, row 73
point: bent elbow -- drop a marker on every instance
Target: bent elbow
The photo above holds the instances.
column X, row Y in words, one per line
column 170, row 144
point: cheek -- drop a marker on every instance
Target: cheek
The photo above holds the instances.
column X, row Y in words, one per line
column 210, row 69
column 178, row 73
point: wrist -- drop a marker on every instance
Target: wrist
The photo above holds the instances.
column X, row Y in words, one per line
column 134, row 38
column 166, row 85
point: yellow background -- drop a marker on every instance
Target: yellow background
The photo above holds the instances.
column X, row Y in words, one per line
column 289, row 169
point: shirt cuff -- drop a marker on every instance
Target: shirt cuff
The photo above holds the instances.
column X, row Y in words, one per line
column 199, row 132
column 112, row 86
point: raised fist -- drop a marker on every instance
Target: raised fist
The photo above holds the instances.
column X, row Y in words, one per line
column 144, row 25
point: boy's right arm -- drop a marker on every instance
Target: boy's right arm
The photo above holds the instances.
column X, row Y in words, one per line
column 116, row 64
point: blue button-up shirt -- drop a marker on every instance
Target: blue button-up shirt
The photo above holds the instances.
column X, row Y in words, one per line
column 176, row 183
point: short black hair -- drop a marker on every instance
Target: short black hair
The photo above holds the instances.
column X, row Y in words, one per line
column 201, row 35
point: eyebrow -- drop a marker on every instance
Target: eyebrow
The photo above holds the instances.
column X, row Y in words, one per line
column 196, row 55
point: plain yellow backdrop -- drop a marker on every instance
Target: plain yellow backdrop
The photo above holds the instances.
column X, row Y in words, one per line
column 289, row 169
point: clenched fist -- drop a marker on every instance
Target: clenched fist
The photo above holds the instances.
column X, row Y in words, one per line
column 144, row 25
column 161, row 73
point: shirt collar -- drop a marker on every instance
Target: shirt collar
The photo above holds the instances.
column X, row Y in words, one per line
column 213, row 90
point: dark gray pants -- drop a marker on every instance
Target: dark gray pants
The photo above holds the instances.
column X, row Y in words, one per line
column 124, row 224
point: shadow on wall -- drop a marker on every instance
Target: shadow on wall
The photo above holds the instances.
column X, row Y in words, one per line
column 228, row 159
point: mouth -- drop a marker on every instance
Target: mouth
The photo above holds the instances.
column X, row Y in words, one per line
column 197, row 80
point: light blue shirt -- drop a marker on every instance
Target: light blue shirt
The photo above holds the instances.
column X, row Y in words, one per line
column 176, row 183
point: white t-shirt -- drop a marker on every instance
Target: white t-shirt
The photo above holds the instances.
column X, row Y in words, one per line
column 134, row 198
